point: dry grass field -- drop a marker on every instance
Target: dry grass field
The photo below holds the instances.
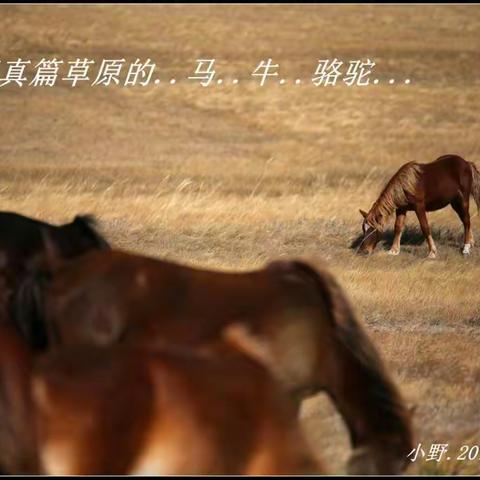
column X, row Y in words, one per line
column 230, row 176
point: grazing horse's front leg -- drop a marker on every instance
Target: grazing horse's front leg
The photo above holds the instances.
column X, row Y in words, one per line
column 422, row 218
column 399, row 224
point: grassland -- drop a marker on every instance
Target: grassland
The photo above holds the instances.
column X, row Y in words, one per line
column 231, row 176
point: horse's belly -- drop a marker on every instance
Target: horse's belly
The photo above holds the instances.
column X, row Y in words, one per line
column 441, row 194
column 437, row 204
column 430, row 206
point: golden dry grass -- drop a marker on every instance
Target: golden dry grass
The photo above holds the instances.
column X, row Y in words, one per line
column 231, row 176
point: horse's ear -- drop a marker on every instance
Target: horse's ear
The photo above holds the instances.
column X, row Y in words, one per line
column 86, row 219
column 87, row 224
column 364, row 213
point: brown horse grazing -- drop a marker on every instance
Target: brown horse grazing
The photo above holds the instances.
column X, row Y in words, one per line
column 142, row 411
column 293, row 317
column 423, row 187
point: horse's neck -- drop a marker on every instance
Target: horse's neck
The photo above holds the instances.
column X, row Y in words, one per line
column 377, row 212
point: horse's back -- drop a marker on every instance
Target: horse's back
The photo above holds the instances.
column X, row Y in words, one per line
column 444, row 179
column 18, row 232
column 153, row 297
column 450, row 164
column 17, row 219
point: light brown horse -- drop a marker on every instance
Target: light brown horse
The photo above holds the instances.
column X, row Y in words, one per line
column 422, row 188
column 121, row 410
column 292, row 316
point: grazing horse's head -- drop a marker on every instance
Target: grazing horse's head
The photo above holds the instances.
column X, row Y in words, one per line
column 371, row 233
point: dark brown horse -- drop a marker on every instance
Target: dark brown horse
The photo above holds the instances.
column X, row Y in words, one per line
column 22, row 246
column 87, row 410
column 422, row 188
column 293, row 317
column 24, row 249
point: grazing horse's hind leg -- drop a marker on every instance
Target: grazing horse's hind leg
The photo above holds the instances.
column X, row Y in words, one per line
column 461, row 207
column 399, row 224
column 422, row 218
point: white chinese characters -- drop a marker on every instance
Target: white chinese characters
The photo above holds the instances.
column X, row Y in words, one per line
column 142, row 73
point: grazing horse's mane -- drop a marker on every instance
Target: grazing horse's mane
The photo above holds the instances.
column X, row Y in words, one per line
column 385, row 400
column 394, row 194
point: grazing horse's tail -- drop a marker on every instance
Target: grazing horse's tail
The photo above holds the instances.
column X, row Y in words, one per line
column 475, row 184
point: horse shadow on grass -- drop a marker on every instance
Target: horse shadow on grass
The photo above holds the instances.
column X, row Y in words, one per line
column 413, row 236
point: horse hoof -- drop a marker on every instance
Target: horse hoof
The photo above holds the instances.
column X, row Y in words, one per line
column 466, row 249
column 393, row 252
column 432, row 255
